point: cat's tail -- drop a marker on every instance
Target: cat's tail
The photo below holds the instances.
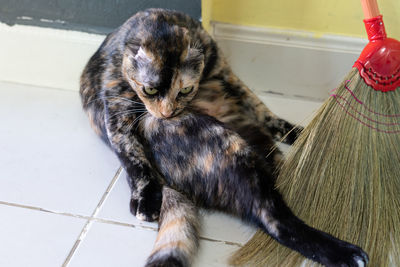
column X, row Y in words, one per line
column 177, row 239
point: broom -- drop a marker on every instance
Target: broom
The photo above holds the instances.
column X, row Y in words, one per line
column 342, row 175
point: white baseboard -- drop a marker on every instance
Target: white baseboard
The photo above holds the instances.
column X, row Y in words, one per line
column 44, row 57
column 290, row 63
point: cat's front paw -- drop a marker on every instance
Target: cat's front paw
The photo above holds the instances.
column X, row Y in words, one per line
column 146, row 203
column 347, row 255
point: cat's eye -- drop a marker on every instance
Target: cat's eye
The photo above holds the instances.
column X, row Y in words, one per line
column 150, row 90
column 186, row 90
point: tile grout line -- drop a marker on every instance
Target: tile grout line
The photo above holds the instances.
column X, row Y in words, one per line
column 43, row 210
column 101, row 220
column 36, row 86
column 230, row 243
column 90, row 220
column 107, row 221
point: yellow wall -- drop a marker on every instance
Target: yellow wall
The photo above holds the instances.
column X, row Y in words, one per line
column 343, row 17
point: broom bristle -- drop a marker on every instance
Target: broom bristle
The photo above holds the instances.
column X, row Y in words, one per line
column 342, row 176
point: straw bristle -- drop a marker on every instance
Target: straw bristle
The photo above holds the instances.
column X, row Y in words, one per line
column 342, row 176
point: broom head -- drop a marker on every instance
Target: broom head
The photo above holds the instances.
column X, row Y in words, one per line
column 342, row 175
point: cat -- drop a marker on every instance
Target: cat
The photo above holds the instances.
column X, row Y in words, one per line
column 216, row 169
column 134, row 70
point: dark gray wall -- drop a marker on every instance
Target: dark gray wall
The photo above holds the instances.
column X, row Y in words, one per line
column 96, row 16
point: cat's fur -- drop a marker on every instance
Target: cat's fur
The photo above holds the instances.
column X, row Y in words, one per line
column 217, row 169
column 165, row 51
column 175, row 52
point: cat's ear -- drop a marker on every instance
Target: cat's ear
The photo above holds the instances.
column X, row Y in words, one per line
column 195, row 50
column 131, row 60
column 194, row 54
column 143, row 56
column 185, row 42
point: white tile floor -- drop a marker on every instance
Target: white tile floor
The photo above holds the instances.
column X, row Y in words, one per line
column 64, row 199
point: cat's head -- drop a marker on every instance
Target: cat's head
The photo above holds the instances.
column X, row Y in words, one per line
column 164, row 70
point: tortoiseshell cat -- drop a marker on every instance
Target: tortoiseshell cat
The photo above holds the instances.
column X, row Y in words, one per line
column 216, row 169
column 136, row 69
column 161, row 62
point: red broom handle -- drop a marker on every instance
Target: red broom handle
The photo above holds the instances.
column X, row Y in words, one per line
column 370, row 8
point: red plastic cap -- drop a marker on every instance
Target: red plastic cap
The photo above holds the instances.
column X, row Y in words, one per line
column 379, row 62
column 375, row 28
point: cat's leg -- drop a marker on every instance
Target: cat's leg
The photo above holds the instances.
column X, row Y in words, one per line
column 104, row 94
column 264, row 117
column 263, row 144
column 265, row 207
column 227, row 98
column 276, row 219
column 122, row 128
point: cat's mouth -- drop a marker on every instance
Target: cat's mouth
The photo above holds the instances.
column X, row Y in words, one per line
column 166, row 116
column 157, row 114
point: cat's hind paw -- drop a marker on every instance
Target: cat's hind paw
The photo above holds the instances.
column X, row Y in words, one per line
column 293, row 134
column 361, row 260
column 279, row 128
column 349, row 256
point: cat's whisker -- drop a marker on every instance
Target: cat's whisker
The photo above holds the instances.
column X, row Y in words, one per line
column 127, row 112
column 138, row 119
column 93, row 100
column 130, row 110
column 125, row 99
column 130, row 125
column 116, row 97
